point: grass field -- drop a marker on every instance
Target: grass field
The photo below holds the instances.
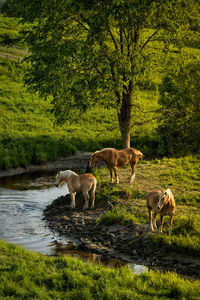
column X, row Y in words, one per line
column 182, row 176
column 26, row 275
column 28, row 133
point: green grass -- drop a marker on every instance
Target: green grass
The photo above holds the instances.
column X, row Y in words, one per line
column 181, row 175
column 185, row 238
column 26, row 118
column 117, row 216
column 26, row 275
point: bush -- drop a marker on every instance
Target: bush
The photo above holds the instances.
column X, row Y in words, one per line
column 179, row 98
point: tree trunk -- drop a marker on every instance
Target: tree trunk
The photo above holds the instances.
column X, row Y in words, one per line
column 124, row 118
column 125, row 138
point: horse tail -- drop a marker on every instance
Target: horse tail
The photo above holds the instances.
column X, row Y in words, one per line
column 93, row 190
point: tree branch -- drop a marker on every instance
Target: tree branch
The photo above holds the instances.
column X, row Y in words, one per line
column 121, row 42
column 149, row 39
column 116, row 47
column 80, row 23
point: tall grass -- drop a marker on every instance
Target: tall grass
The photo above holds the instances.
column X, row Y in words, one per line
column 26, row 275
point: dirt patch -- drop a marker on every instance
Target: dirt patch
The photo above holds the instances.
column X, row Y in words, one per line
column 128, row 243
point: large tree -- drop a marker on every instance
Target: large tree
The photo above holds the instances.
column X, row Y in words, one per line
column 88, row 52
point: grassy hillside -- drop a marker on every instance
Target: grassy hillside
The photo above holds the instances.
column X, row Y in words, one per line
column 25, row 275
column 28, row 133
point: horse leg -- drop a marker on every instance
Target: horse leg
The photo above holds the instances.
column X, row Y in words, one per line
column 170, row 224
column 116, row 174
column 133, row 167
column 93, row 196
column 86, row 195
column 150, row 219
column 73, row 195
column 161, row 223
column 154, row 220
column 111, row 175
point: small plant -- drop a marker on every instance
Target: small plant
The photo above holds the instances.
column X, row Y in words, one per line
column 117, row 216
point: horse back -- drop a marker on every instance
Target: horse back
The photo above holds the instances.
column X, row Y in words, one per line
column 124, row 157
column 87, row 179
column 109, row 155
column 129, row 155
column 82, row 182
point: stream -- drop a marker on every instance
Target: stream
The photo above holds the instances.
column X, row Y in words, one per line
column 21, row 210
column 22, row 201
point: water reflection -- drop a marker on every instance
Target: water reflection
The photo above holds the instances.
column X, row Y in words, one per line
column 22, row 221
column 22, row 201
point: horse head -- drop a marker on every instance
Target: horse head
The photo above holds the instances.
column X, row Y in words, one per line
column 163, row 199
column 58, row 179
column 94, row 159
column 63, row 176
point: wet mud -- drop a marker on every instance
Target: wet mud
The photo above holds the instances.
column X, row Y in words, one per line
column 126, row 243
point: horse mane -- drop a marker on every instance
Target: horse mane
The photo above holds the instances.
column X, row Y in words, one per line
column 96, row 152
column 67, row 172
column 170, row 195
column 168, row 192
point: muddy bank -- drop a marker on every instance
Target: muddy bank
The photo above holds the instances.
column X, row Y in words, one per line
column 127, row 243
column 75, row 161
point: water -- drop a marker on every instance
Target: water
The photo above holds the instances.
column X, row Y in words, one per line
column 21, row 212
column 22, row 201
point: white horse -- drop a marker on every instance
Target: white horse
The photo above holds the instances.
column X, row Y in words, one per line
column 162, row 203
column 78, row 183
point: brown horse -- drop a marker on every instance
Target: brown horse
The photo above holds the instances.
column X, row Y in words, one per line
column 78, row 183
column 162, row 203
column 117, row 158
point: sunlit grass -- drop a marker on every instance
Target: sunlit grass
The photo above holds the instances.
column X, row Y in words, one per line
column 181, row 175
column 26, row 275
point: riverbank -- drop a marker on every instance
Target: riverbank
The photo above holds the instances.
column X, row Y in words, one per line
column 128, row 243
column 26, row 275
column 127, row 236
column 76, row 161
column 119, row 225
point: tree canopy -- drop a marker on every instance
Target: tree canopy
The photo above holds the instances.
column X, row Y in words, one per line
column 88, row 52
column 180, row 100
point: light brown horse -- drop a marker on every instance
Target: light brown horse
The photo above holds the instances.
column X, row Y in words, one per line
column 117, row 158
column 78, row 183
column 162, row 203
